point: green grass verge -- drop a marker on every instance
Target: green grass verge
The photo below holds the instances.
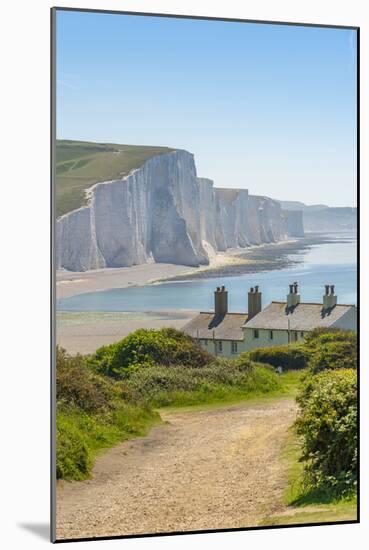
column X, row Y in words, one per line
column 304, row 505
column 81, row 164
column 216, row 384
column 81, row 437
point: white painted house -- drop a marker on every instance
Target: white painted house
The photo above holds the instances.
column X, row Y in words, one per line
column 228, row 334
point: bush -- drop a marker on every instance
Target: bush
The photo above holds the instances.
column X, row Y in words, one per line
column 176, row 385
column 331, row 349
column 289, row 357
column 145, row 348
column 93, row 413
column 77, row 385
column 73, row 459
column 327, row 423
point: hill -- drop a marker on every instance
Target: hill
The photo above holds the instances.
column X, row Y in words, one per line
column 80, row 164
column 321, row 218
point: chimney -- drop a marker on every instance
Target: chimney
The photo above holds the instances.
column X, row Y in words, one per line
column 220, row 301
column 254, row 302
column 329, row 297
column 293, row 297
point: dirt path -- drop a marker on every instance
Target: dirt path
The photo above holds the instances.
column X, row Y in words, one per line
column 207, row 469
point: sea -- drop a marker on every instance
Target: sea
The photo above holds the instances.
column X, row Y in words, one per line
column 332, row 262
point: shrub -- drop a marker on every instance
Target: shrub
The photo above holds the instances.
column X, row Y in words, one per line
column 73, row 459
column 77, row 385
column 177, row 385
column 331, row 349
column 327, row 424
column 333, row 355
column 289, row 357
column 145, row 348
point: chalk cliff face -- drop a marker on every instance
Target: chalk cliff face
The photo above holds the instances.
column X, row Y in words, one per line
column 295, row 224
column 162, row 212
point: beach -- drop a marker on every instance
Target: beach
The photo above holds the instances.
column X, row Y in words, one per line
column 85, row 331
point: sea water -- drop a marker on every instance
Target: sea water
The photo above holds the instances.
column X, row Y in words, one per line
column 329, row 263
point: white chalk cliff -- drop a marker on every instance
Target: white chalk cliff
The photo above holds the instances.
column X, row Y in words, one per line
column 163, row 212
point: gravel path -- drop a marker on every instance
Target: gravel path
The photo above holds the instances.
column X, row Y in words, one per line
column 202, row 469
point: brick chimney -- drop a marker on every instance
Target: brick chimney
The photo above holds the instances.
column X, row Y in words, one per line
column 293, row 297
column 220, row 301
column 329, row 297
column 254, row 302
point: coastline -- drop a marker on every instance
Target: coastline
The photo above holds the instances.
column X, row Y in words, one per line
column 234, row 261
column 85, row 331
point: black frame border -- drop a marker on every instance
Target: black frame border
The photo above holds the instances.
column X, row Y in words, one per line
column 53, row 32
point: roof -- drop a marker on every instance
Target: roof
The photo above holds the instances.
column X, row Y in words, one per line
column 223, row 327
column 304, row 316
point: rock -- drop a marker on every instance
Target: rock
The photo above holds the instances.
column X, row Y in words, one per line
column 163, row 212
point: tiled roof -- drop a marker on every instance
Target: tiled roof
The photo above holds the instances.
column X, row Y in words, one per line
column 302, row 317
column 225, row 327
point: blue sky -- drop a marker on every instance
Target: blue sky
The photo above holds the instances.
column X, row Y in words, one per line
column 271, row 108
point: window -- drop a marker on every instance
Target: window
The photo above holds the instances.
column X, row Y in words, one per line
column 220, row 346
column 205, row 343
column 295, row 336
column 256, row 333
column 301, row 334
column 234, row 347
column 271, row 334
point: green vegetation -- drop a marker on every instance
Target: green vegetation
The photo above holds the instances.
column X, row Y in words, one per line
column 327, row 424
column 322, row 349
column 306, row 504
column 110, row 396
column 220, row 381
column 81, row 164
column 331, row 349
column 291, row 357
column 322, row 448
column 145, row 348
column 93, row 413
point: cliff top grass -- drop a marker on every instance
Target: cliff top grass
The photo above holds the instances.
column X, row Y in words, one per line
column 81, row 164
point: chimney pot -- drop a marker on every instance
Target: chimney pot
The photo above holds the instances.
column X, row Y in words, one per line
column 329, row 298
column 220, row 301
column 254, row 302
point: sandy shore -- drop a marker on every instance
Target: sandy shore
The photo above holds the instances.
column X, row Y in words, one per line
column 84, row 332
column 70, row 283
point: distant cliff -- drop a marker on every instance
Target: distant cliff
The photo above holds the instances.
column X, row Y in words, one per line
column 295, row 222
column 322, row 218
column 163, row 212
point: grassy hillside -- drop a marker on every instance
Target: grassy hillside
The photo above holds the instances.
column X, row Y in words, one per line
column 80, row 164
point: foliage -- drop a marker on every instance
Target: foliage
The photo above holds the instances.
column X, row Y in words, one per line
column 146, row 348
column 322, row 349
column 331, row 349
column 327, row 424
column 222, row 380
column 289, row 357
column 79, row 386
column 93, row 413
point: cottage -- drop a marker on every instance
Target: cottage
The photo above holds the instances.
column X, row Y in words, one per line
column 228, row 334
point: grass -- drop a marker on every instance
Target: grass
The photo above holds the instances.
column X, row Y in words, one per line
column 81, row 164
column 304, row 505
column 204, row 388
column 81, row 437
